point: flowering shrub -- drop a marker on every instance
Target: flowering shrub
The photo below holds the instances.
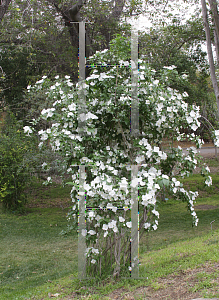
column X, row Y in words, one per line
column 108, row 150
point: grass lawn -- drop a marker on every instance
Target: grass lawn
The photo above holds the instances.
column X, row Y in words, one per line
column 36, row 262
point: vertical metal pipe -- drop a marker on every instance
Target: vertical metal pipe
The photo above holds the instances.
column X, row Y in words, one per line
column 81, row 90
column 134, row 83
column 135, row 226
column 81, row 131
column 81, row 225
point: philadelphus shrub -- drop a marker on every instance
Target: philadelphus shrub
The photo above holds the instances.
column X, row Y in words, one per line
column 108, row 150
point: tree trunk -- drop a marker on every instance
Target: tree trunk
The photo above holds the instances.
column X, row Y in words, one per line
column 215, row 16
column 209, row 51
column 216, row 43
column 3, row 8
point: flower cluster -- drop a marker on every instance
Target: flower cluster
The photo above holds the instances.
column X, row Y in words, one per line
column 216, row 140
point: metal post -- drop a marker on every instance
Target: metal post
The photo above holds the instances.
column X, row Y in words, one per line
column 135, row 226
column 81, row 225
column 81, row 90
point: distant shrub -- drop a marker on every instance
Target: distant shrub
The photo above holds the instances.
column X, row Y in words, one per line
column 15, row 149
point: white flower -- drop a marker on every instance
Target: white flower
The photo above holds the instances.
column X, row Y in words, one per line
column 170, row 68
column 57, row 143
column 156, row 213
column 177, row 183
column 91, row 116
column 96, row 251
column 147, row 225
column 192, row 114
column 123, row 184
column 67, row 77
column 207, row 169
column 184, row 76
column 139, row 159
column 129, row 224
column 162, row 155
column 156, row 149
column 98, row 218
column 57, row 77
column 189, row 120
column 40, row 81
column 49, row 179
column 115, row 229
column 27, row 130
column 216, row 132
column 72, row 107
column 154, row 227
column 92, row 232
column 175, row 190
column 91, row 213
column 194, row 127
column 112, row 224
column 48, row 111
column 93, row 261
column 121, row 219
column 44, row 136
column 44, row 165
column 208, row 181
column 105, row 226
column 216, row 143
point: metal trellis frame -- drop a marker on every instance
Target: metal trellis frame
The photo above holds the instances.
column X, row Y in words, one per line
column 134, row 261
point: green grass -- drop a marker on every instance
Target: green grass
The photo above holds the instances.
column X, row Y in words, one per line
column 36, row 260
column 32, row 251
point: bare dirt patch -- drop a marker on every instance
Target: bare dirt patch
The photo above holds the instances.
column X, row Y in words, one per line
column 58, row 202
column 205, row 207
column 178, row 286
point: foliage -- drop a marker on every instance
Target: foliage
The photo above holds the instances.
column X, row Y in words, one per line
column 35, row 41
column 109, row 150
column 19, row 69
column 15, row 148
column 181, row 45
column 32, row 39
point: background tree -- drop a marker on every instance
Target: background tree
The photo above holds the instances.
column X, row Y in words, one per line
column 32, row 39
column 180, row 44
column 213, row 6
column 3, row 8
